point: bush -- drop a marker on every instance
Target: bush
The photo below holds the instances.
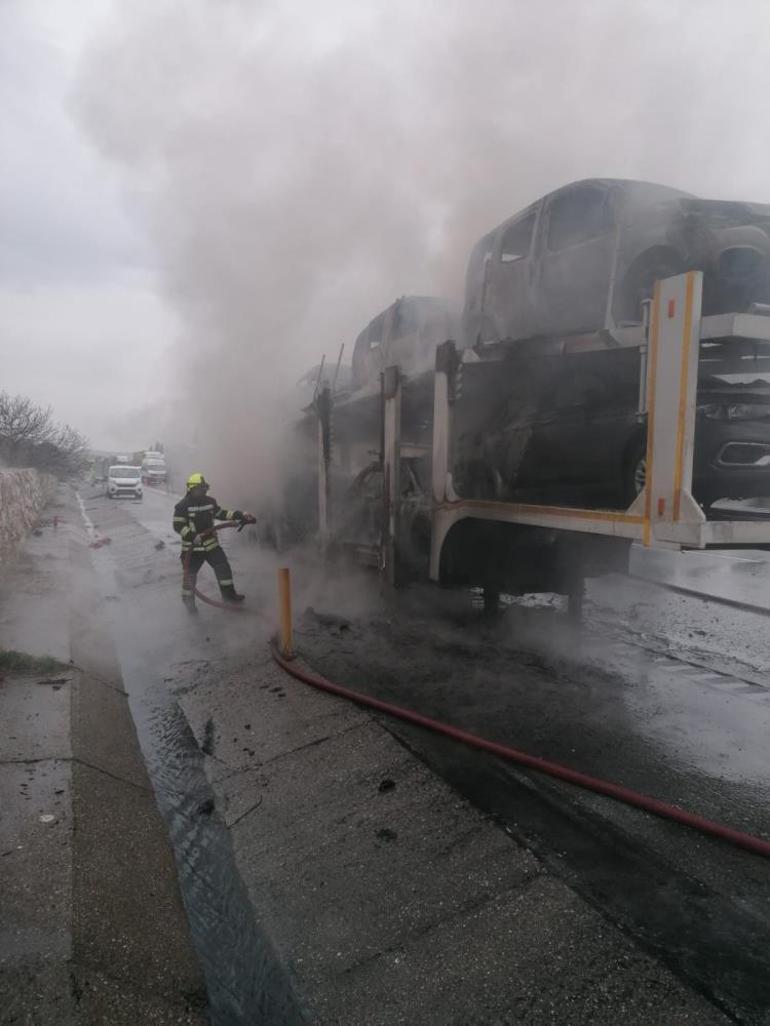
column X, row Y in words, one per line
column 29, row 437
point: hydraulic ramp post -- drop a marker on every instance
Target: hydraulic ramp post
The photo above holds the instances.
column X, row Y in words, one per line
column 671, row 514
column 324, row 411
column 391, row 471
column 443, row 399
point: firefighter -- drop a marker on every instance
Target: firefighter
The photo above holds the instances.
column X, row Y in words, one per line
column 194, row 517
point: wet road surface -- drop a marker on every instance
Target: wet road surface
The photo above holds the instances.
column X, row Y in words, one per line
column 665, row 694
column 138, row 567
column 614, row 709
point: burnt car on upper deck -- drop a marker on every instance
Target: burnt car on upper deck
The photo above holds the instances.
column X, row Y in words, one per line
column 586, row 256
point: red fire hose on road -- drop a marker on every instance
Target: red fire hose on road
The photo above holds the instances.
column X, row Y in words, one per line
column 749, row 842
column 756, row 845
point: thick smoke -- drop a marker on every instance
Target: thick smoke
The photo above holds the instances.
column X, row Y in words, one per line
column 303, row 164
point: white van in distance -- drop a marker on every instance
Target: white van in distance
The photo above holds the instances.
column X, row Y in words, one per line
column 124, row 481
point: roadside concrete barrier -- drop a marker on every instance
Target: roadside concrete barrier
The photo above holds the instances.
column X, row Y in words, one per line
column 23, row 495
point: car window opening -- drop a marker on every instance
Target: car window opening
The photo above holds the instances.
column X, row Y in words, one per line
column 577, row 216
column 517, row 240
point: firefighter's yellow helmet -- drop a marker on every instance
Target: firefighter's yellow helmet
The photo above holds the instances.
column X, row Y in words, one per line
column 196, row 479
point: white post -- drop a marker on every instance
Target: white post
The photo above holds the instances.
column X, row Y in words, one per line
column 323, row 407
column 672, row 375
column 443, row 395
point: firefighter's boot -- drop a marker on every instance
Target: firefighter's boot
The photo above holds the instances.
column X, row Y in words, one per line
column 188, row 597
column 229, row 594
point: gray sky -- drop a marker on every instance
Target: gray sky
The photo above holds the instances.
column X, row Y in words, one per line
column 199, row 197
column 82, row 325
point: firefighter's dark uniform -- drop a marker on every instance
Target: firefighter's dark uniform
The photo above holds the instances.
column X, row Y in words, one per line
column 195, row 515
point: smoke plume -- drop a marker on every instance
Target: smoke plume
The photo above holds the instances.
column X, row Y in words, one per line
column 301, row 165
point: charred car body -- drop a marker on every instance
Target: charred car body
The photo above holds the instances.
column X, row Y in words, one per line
column 585, row 257
column 566, row 430
column 553, row 410
column 360, row 522
column 338, row 379
column 406, row 333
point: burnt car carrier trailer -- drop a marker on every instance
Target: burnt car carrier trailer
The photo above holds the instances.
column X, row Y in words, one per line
column 475, row 534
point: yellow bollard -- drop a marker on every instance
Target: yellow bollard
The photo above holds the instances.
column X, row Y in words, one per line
column 284, row 600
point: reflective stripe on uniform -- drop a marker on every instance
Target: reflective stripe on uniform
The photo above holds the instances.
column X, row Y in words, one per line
column 200, row 509
column 222, row 581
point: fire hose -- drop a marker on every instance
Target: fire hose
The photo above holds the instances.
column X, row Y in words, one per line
column 749, row 842
column 231, row 607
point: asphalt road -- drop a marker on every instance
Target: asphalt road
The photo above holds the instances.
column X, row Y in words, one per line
column 666, row 694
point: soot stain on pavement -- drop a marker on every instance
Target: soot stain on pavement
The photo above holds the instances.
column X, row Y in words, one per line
column 489, row 682
column 207, row 744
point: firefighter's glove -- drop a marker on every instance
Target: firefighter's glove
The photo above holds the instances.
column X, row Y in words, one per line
column 198, row 539
column 249, row 518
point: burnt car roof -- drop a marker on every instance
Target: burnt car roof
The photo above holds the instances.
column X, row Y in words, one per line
column 633, row 185
column 420, row 304
column 641, row 193
column 637, row 194
column 729, row 211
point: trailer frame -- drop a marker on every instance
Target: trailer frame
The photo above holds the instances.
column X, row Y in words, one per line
column 671, row 341
column 665, row 515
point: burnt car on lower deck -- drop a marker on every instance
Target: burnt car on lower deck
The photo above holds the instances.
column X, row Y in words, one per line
column 566, row 429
